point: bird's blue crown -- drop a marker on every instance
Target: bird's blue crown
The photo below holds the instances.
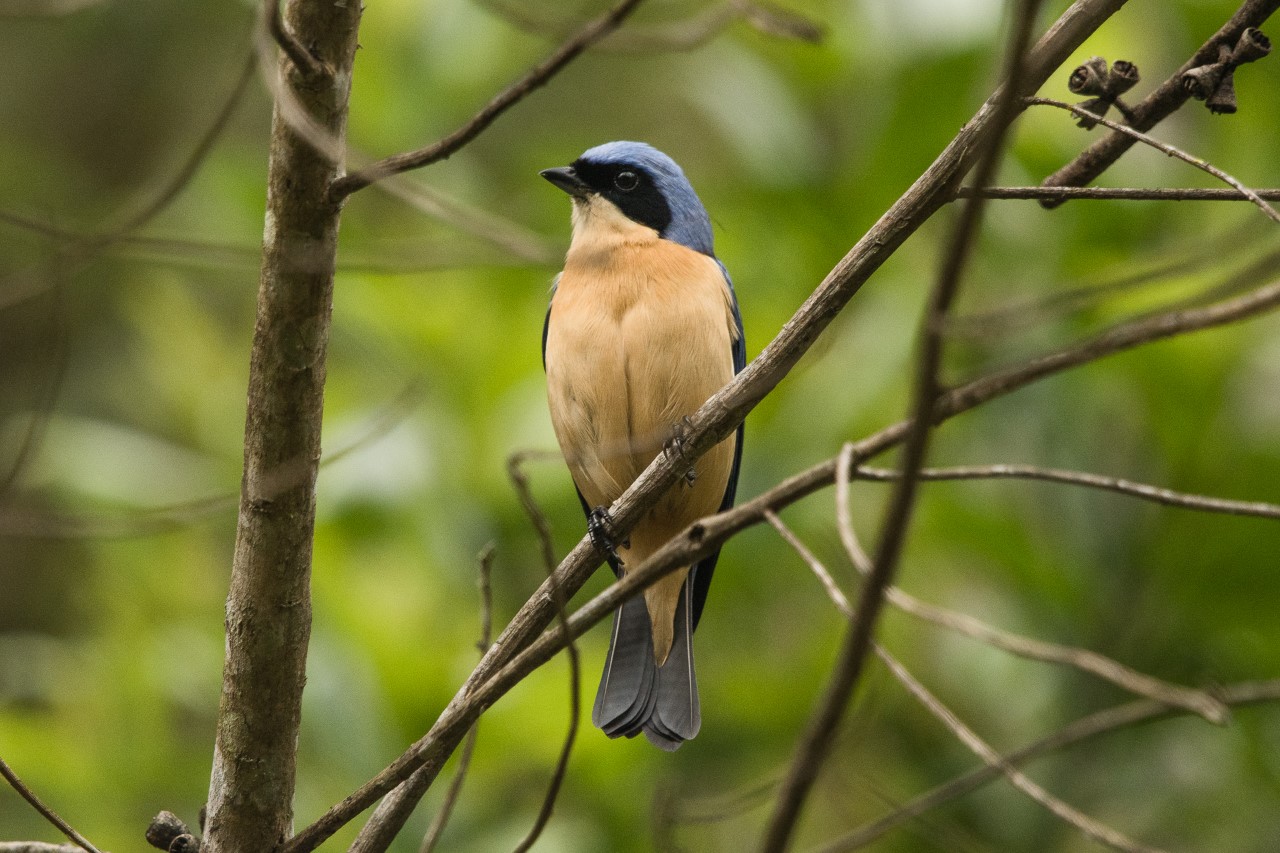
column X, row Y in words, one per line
column 690, row 225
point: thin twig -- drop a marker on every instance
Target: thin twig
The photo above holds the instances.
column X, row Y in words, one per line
column 1085, row 728
column 1099, row 832
column 1156, row 494
column 37, row 847
column 1168, row 97
column 1119, row 193
column 1088, row 661
column 47, row 813
column 310, row 66
column 834, row 592
column 451, row 794
column 543, row 527
column 815, row 744
column 504, row 100
column 1163, row 147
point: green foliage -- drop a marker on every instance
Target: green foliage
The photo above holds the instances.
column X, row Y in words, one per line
column 118, row 533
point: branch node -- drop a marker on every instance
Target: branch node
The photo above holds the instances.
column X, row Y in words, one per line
column 1105, row 84
column 1214, row 83
column 168, row 832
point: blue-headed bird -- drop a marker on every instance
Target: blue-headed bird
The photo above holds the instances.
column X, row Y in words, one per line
column 643, row 327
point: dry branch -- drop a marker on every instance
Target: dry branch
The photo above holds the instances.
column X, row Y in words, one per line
column 47, row 813
column 451, row 795
column 1085, row 660
column 1160, row 104
column 1164, row 148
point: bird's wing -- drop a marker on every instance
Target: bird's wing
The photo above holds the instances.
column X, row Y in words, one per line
column 700, row 577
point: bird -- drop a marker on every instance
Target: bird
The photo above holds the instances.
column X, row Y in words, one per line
column 642, row 328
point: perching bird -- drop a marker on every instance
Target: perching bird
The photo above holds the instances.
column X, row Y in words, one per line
column 643, row 327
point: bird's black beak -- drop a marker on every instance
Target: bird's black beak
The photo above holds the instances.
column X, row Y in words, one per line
column 567, row 179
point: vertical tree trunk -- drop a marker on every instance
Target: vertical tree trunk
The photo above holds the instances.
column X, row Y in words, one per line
column 268, row 616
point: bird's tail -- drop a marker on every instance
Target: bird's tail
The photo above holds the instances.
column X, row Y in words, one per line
column 635, row 694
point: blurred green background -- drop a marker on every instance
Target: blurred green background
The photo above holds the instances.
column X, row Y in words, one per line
column 122, row 377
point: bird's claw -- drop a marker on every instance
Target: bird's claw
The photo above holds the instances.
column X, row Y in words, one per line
column 674, row 446
column 599, row 523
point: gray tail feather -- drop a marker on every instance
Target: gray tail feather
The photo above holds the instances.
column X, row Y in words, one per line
column 635, row 695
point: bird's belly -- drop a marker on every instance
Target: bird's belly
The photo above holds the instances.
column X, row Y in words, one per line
column 620, row 385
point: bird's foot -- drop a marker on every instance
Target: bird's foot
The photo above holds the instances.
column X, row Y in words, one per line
column 674, row 446
column 599, row 525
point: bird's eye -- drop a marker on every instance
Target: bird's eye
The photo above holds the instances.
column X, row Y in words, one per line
column 626, row 181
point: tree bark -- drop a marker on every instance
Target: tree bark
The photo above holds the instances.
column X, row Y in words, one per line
column 268, row 618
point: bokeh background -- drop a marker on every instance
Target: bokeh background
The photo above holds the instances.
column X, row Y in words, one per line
column 123, row 367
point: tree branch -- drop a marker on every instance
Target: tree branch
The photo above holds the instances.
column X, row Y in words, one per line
column 1157, row 106
column 543, row 528
column 47, row 813
column 685, row 34
column 963, row 733
column 1164, row 147
column 1156, row 494
column 504, row 100
column 268, row 619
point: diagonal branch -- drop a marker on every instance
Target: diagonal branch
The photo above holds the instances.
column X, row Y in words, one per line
column 1157, row 106
column 963, row 733
column 503, row 101
column 47, row 813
